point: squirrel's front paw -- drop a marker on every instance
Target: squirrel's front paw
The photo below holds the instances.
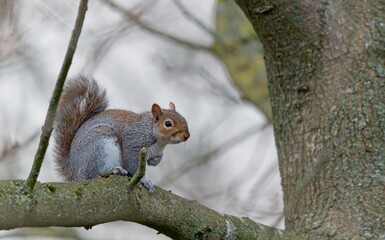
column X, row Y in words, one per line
column 148, row 184
column 155, row 160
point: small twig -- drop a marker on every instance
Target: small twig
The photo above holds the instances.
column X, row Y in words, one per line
column 193, row 18
column 204, row 158
column 141, row 169
column 145, row 26
column 48, row 124
column 11, row 149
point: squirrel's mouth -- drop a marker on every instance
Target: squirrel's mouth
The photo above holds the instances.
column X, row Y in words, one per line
column 175, row 141
column 180, row 137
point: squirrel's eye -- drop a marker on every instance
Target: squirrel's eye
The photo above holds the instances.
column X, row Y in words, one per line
column 168, row 124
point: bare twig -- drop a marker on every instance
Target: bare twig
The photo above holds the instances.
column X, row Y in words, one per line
column 189, row 165
column 218, row 88
column 207, row 81
column 105, row 38
column 147, row 27
column 48, row 124
column 194, row 19
column 141, row 169
column 104, row 41
column 11, row 149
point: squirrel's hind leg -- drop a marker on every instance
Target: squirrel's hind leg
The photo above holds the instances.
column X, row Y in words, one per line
column 97, row 152
column 111, row 162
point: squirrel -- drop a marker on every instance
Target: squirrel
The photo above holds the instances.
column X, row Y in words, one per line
column 91, row 140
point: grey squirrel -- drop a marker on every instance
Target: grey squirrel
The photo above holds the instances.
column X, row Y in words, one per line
column 91, row 140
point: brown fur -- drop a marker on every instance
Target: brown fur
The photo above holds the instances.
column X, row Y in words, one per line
column 81, row 99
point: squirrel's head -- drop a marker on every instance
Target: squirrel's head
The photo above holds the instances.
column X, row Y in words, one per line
column 169, row 125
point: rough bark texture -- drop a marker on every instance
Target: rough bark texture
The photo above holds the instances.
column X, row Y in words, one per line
column 326, row 69
column 88, row 203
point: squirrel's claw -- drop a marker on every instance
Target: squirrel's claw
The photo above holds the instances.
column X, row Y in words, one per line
column 148, row 184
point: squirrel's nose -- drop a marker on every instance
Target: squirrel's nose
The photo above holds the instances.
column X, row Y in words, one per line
column 186, row 135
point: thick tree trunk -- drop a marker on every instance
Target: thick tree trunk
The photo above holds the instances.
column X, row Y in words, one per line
column 326, row 70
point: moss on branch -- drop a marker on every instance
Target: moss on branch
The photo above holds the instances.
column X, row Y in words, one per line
column 101, row 200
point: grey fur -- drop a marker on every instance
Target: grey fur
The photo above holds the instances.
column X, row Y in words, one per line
column 91, row 141
column 88, row 153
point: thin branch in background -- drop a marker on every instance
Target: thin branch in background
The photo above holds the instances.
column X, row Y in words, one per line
column 147, row 27
column 43, row 233
column 10, row 34
column 106, row 38
column 218, row 88
column 103, row 43
column 207, row 82
column 194, row 19
column 11, row 149
column 234, row 201
column 203, row 159
column 230, row 195
column 16, row 49
column 262, row 181
column 131, row 16
column 48, row 124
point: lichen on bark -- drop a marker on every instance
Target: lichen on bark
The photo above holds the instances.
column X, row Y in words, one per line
column 327, row 90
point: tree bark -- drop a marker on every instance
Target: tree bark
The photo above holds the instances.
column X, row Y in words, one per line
column 88, row 203
column 326, row 73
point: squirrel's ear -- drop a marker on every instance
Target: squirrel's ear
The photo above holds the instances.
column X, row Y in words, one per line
column 171, row 105
column 156, row 112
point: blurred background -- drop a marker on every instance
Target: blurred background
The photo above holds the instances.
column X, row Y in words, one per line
column 203, row 55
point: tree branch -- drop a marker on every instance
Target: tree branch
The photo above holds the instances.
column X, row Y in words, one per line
column 147, row 27
column 101, row 200
column 48, row 124
column 194, row 19
column 12, row 148
column 204, row 158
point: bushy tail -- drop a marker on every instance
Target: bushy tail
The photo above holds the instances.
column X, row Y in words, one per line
column 81, row 99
